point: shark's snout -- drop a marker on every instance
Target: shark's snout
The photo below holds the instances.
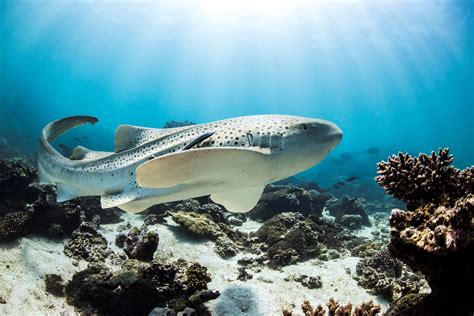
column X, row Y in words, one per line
column 324, row 132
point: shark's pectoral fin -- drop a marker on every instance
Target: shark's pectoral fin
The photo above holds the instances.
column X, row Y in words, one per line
column 239, row 201
column 66, row 192
column 83, row 153
column 211, row 166
column 112, row 200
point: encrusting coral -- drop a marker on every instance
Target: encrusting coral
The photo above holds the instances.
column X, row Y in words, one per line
column 384, row 275
column 289, row 237
column 336, row 309
column 137, row 288
column 435, row 235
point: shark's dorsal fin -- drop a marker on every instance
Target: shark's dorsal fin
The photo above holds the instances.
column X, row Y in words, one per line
column 216, row 165
column 129, row 136
column 239, row 201
column 83, row 153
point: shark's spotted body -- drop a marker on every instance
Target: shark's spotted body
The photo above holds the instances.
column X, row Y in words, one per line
column 232, row 160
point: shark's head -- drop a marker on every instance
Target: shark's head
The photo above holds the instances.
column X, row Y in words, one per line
column 300, row 143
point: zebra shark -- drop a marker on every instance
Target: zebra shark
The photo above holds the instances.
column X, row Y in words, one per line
column 231, row 160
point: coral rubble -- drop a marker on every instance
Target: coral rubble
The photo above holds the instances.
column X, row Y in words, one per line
column 435, row 235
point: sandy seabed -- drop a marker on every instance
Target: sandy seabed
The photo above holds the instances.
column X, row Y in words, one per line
column 25, row 262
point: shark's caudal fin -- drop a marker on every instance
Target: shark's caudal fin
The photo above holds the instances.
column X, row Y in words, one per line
column 47, row 153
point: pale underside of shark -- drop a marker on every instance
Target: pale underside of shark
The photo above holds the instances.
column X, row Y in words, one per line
column 231, row 160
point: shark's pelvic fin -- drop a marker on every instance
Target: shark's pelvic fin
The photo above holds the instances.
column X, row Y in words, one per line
column 83, row 153
column 112, row 200
column 202, row 165
column 66, row 192
column 239, row 201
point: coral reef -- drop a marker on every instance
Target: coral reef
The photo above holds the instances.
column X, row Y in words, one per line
column 208, row 221
column 197, row 224
column 425, row 179
column 290, row 237
column 138, row 243
column 435, row 235
column 173, row 124
column 285, row 198
column 384, row 275
column 137, row 288
column 54, row 284
column 348, row 206
column 27, row 207
column 88, row 244
column 336, row 309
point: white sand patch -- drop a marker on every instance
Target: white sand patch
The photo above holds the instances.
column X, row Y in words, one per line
column 22, row 283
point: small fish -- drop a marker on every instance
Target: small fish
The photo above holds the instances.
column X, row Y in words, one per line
column 353, row 178
column 25, row 136
column 85, row 137
column 345, row 156
column 77, row 139
column 340, row 183
column 373, row 151
column 62, row 146
column 336, row 186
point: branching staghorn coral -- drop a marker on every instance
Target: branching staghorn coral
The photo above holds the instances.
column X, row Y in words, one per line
column 336, row 309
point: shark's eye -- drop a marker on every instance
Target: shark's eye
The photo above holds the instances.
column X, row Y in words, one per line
column 305, row 127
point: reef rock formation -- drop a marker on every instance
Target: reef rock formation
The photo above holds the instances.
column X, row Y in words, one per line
column 384, row 275
column 27, row 207
column 54, row 284
column 336, row 309
column 290, row 237
column 435, row 235
column 138, row 243
column 285, row 198
column 88, row 244
column 137, row 288
column 348, row 206
column 204, row 219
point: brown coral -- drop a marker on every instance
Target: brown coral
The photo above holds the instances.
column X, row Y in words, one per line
column 424, row 179
column 336, row 309
column 436, row 234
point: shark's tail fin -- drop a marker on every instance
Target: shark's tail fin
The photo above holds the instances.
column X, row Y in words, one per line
column 46, row 152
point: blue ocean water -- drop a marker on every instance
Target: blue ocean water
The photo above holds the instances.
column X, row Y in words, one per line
column 394, row 75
